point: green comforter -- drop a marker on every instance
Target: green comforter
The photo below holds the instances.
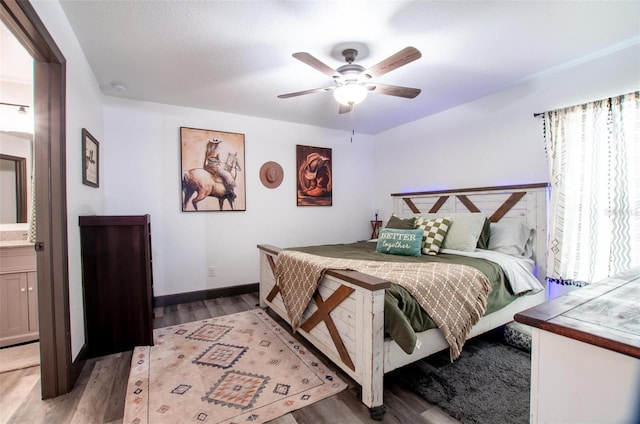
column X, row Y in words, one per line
column 403, row 316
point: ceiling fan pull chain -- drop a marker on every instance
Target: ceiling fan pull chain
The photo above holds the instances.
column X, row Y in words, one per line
column 353, row 126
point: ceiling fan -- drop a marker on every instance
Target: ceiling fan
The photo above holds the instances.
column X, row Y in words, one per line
column 352, row 81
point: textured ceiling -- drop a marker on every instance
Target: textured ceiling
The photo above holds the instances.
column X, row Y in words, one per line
column 235, row 56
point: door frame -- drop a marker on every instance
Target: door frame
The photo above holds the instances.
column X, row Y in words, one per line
column 58, row 372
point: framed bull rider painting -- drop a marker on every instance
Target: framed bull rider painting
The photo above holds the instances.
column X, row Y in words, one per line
column 213, row 176
column 314, row 176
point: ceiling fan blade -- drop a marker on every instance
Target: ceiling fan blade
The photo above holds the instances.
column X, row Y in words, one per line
column 316, row 64
column 301, row 93
column 404, row 56
column 394, row 90
column 345, row 108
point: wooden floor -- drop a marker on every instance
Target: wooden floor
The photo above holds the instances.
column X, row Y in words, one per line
column 98, row 396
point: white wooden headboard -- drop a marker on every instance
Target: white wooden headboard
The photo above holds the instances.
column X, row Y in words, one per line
column 526, row 203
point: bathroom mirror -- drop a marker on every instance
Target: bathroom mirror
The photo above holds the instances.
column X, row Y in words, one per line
column 13, row 183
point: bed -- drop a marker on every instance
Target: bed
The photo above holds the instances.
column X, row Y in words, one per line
column 345, row 318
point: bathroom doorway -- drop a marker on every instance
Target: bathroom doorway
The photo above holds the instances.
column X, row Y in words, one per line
column 58, row 372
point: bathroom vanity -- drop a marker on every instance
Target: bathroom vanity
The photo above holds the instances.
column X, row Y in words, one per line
column 18, row 292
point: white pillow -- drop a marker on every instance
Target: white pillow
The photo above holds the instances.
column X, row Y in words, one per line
column 464, row 230
column 511, row 238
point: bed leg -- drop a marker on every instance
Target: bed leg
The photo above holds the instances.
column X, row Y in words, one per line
column 372, row 358
column 377, row 412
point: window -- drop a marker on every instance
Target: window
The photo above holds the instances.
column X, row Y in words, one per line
column 594, row 158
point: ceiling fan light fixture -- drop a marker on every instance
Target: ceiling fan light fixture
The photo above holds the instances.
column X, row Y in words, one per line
column 352, row 81
column 350, row 94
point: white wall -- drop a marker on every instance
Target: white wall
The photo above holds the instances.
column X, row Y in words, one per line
column 494, row 140
column 83, row 110
column 141, row 166
column 17, row 93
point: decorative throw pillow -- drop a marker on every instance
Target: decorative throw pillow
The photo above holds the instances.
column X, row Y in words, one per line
column 401, row 223
column 399, row 242
column 434, row 231
column 483, row 240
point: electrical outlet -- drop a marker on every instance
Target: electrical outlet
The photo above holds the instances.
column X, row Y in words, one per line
column 212, row 271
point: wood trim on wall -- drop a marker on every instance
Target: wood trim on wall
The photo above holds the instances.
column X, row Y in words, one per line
column 174, row 299
column 56, row 367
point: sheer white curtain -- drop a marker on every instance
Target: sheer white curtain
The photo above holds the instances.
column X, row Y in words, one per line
column 594, row 158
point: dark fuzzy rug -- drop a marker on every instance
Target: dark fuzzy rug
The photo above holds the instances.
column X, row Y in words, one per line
column 489, row 383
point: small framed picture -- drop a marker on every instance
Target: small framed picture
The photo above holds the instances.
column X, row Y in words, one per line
column 90, row 160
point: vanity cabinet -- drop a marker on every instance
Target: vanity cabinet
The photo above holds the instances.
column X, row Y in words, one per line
column 117, row 282
column 18, row 294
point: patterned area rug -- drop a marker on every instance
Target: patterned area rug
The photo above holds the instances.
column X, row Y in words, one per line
column 232, row 369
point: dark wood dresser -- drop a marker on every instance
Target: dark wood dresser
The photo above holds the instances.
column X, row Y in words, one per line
column 117, row 282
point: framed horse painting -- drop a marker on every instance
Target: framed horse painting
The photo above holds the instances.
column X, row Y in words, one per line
column 213, row 176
